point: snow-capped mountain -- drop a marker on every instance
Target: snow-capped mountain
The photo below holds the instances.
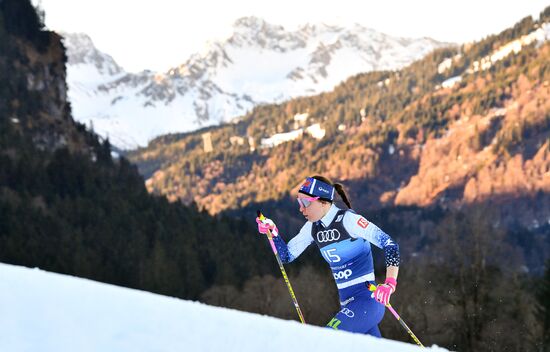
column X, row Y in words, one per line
column 258, row 63
column 81, row 51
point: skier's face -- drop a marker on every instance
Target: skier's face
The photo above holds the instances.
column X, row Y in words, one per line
column 315, row 210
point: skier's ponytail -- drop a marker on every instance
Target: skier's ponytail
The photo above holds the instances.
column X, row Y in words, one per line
column 340, row 189
column 337, row 187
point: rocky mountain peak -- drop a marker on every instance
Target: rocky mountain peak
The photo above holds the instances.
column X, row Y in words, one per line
column 257, row 33
column 81, row 50
column 254, row 24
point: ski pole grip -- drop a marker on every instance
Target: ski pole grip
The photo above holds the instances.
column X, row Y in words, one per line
column 260, row 215
column 262, row 218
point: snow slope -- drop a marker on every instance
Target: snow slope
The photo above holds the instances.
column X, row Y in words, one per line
column 42, row 311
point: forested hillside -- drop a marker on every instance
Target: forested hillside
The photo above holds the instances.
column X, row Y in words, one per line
column 67, row 205
column 446, row 130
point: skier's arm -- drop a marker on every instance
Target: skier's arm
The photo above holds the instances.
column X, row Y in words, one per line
column 295, row 247
column 392, row 271
column 358, row 226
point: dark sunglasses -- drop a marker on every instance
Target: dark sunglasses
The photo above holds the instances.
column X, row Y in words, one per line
column 306, row 201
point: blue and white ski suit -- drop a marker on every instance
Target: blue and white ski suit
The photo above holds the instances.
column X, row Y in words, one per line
column 344, row 239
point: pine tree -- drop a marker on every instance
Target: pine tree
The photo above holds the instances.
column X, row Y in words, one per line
column 543, row 309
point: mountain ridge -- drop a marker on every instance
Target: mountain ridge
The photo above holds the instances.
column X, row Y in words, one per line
column 380, row 133
column 259, row 63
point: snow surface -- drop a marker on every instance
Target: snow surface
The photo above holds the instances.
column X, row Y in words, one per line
column 42, row 311
column 449, row 83
column 315, row 130
column 280, row 138
column 539, row 35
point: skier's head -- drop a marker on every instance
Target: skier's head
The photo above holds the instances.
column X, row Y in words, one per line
column 316, row 196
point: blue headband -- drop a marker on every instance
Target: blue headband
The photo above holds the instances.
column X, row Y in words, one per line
column 316, row 188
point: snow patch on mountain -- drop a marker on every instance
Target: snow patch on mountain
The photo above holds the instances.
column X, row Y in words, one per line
column 315, row 131
column 537, row 36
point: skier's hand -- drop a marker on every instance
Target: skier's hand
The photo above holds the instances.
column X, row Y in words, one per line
column 384, row 291
column 267, row 224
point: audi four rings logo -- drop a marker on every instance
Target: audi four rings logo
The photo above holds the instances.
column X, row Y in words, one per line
column 348, row 312
column 344, row 274
column 328, row 235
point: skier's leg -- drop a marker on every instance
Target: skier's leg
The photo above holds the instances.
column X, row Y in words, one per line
column 374, row 332
column 361, row 315
column 345, row 320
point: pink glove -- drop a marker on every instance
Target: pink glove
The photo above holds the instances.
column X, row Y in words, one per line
column 384, row 291
column 267, row 224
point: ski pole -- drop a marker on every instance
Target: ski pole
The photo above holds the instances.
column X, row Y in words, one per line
column 390, row 308
column 270, row 238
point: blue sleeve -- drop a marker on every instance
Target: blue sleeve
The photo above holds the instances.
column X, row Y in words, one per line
column 358, row 226
column 391, row 251
column 390, row 247
column 282, row 249
column 295, row 246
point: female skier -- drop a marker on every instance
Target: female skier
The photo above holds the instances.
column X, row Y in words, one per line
column 344, row 239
